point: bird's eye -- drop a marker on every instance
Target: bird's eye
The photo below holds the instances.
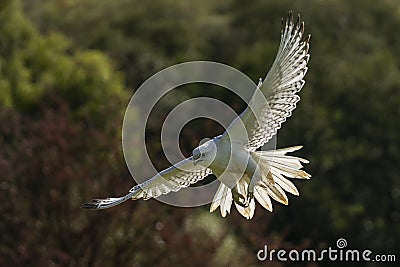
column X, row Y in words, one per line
column 203, row 154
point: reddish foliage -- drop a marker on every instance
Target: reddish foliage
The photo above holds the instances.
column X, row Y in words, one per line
column 51, row 163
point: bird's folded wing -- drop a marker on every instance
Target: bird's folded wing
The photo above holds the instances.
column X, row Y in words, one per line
column 274, row 101
column 178, row 176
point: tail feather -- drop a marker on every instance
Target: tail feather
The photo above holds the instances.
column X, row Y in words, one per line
column 222, row 199
column 263, row 198
column 276, row 192
column 291, row 162
column 289, row 172
column 217, row 198
column 280, row 151
column 286, row 185
column 226, row 202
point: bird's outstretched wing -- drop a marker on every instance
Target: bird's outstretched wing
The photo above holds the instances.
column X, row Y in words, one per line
column 178, row 176
column 275, row 98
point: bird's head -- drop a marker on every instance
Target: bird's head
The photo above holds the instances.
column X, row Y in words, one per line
column 205, row 153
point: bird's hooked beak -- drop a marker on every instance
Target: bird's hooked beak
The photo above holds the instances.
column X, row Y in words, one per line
column 196, row 156
column 196, row 161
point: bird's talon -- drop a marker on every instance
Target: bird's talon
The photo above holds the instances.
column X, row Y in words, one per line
column 250, row 196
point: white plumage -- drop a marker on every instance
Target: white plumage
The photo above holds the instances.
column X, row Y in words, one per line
column 245, row 174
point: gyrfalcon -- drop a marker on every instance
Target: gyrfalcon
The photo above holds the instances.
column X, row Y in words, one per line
column 244, row 173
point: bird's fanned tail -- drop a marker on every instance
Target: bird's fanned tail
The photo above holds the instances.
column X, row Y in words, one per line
column 276, row 167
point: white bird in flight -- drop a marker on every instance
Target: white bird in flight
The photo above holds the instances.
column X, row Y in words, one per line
column 245, row 174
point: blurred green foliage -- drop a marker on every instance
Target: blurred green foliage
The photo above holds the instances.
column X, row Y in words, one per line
column 67, row 69
column 34, row 66
column 141, row 37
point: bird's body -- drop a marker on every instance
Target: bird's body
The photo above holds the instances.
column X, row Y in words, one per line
column 245, row 173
